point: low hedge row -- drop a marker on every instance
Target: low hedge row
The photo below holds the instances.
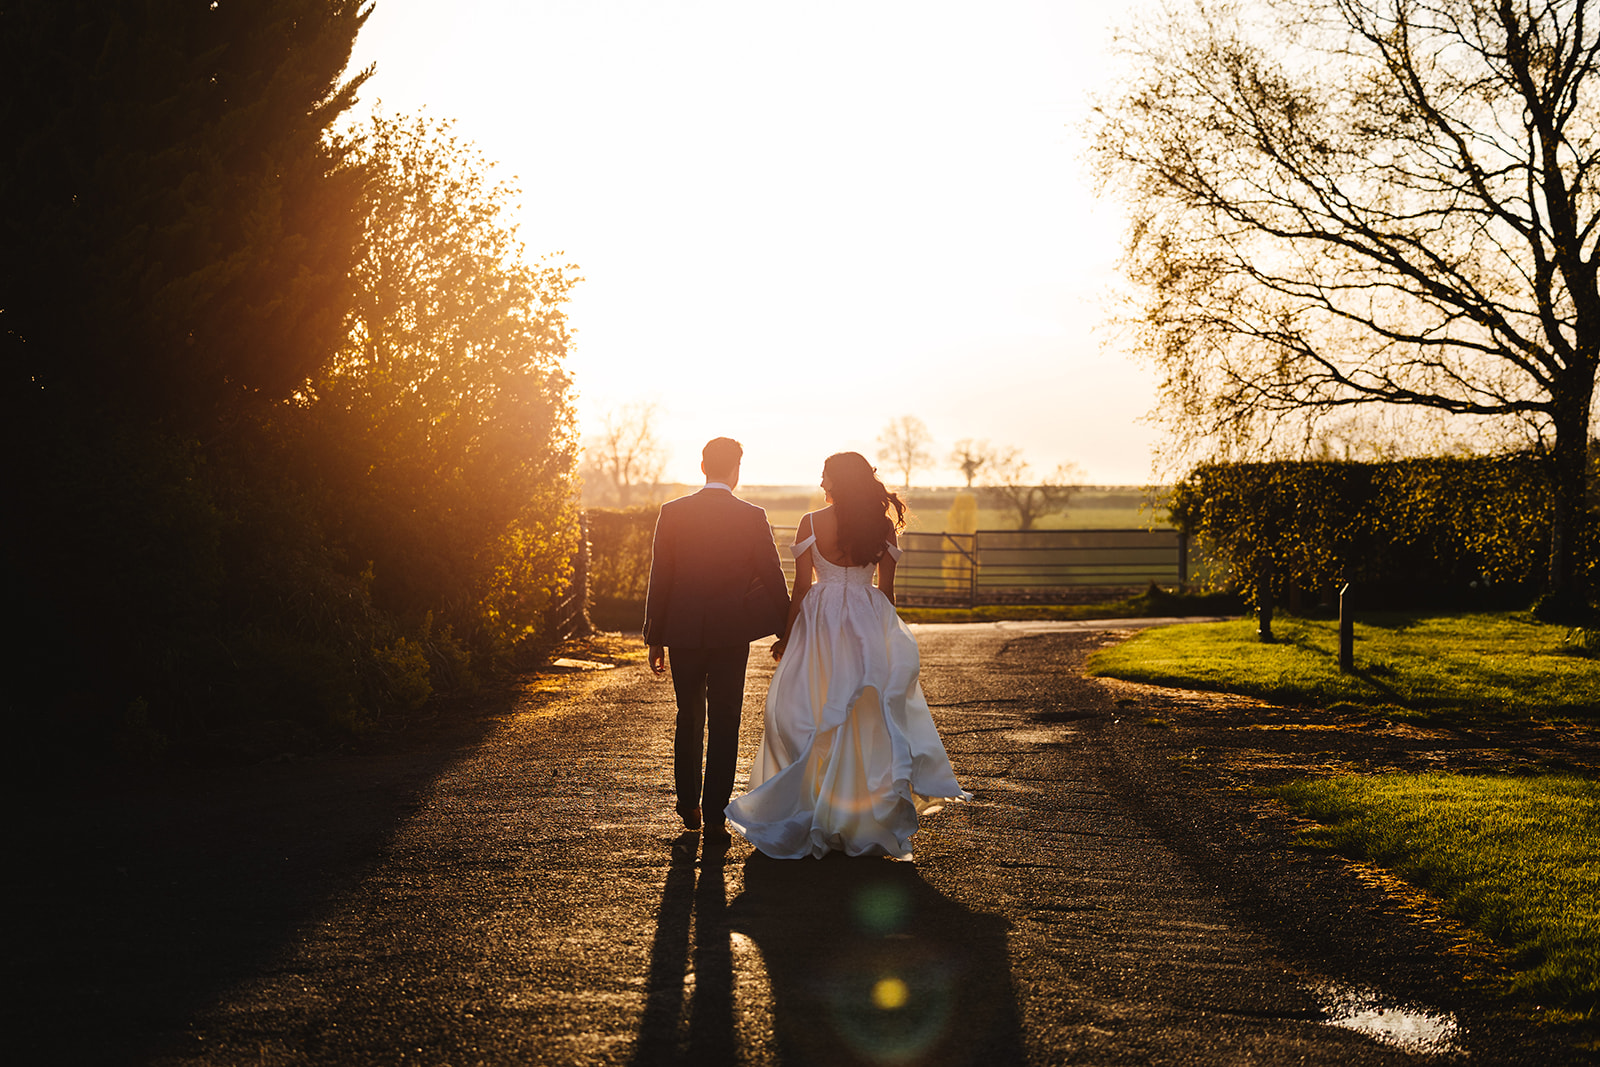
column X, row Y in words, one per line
column 1439, row 531
column 619, row 552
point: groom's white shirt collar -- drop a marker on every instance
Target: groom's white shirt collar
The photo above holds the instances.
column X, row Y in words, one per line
column 719, row 485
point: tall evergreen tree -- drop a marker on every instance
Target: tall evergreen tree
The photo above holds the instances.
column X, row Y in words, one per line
column 178, row 230
column 178, row 234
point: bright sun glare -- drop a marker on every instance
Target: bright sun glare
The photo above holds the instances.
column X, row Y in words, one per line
column 797, row 222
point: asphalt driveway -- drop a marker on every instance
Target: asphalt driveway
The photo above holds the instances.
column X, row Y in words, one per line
column 512, row 887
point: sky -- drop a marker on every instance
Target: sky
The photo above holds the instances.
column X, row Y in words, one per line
column 797, row 222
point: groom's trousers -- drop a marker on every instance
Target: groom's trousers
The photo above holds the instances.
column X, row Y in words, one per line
column 709, row 685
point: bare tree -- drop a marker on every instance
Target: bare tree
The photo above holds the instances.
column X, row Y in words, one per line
column 970, row 457
column 1345, row 202
column 1009, row 483
column 626, row 454
column 903, row 445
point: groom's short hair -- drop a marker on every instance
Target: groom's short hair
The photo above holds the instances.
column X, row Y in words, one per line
column 721, row 455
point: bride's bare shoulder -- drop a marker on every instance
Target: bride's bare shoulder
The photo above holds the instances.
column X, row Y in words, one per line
column 824, row 523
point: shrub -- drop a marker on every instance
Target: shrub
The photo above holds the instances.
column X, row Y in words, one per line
column 1459, row 531
column 620, row 541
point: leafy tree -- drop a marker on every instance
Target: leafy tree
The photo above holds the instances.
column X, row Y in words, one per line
column 970, row 457
column 179, row 232
column 179, row 235
column 903, row 445
column 1009, row 483
column 626, row 455
column 1350, row 203
column 1460, row 530
column 962, row 518
column 444, row 427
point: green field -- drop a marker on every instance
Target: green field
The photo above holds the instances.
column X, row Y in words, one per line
column 1091, row 508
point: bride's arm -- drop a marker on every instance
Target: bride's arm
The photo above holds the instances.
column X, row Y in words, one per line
column 886, row 569
column 802, row 581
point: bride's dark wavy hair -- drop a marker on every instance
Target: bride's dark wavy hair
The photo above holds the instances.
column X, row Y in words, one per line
column 862, row 503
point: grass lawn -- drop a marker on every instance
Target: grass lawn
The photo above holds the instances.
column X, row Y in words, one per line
column 1514, row 857
column 1154, row 602
column 627, row 615
column 1407, row 665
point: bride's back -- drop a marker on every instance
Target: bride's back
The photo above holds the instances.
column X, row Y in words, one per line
column 825, row 527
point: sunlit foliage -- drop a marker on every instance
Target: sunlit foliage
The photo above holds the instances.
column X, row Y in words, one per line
column 1468, row 530
column 621, row 540
column 443, row 427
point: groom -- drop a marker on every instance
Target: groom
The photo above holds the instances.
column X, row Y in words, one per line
column 715, row 586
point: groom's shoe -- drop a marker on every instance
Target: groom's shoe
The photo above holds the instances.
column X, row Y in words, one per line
column 717, row 833
column 691, row 817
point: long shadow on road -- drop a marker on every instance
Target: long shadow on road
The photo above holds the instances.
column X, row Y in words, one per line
column 711, row 1036
column 870, row 964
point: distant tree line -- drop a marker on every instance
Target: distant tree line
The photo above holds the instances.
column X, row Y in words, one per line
column 1005, row 480
column 1415, row 532
column 291, row 439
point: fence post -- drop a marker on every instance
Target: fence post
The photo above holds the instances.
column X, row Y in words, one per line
column 1347, row 630
column 972, row 575
column 1264, row 605
column 577, row 623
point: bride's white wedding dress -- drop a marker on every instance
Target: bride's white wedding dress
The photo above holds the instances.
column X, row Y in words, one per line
column 850, row 755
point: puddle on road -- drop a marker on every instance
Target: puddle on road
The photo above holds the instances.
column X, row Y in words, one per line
column 1406, row 1027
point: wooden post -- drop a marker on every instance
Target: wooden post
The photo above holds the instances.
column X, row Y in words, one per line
column 580, row 625
column 1347, row 630
column 972, row 576
column 1264, row 605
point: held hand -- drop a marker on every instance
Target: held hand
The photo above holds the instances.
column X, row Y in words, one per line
column 778, row 647
column 658, row 660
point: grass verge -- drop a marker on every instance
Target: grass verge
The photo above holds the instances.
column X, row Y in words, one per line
column 627, row 616
column 1154, row 602
column 1407, row 665
column 1513, row 857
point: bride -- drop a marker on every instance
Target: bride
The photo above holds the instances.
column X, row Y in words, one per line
column 850, row 756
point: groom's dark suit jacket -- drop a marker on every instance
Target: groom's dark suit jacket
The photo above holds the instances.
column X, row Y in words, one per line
column 715, row 578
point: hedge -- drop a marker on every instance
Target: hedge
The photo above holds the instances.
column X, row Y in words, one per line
column 1442, row 531
column 619, row 564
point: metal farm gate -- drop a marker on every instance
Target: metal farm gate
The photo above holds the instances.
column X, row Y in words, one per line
column 1026, row 566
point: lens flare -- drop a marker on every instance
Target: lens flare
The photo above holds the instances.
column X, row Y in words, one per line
column 891, row 999
column 889, row 994
column 881, row 909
